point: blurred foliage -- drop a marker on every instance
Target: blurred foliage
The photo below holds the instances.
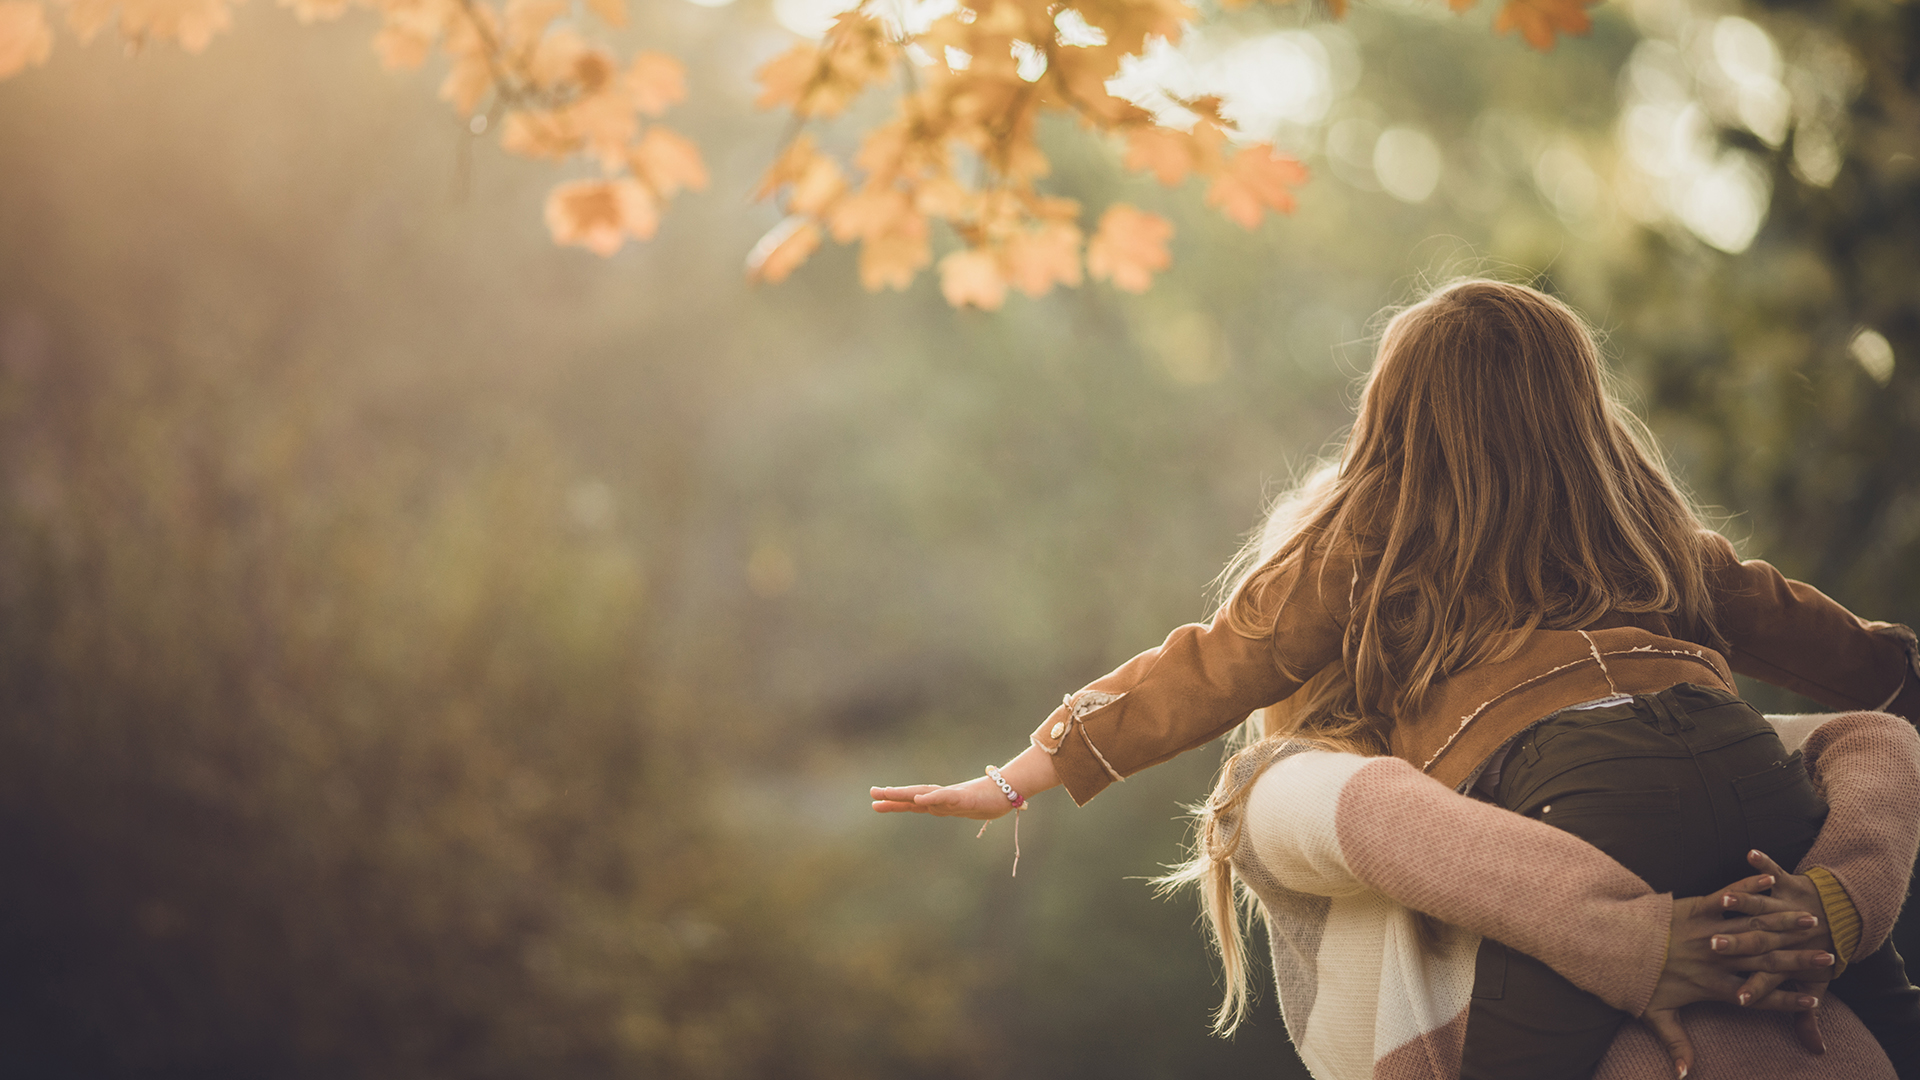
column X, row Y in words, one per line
column 428, row 652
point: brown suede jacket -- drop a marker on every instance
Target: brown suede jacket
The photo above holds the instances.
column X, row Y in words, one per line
column 1205, row 679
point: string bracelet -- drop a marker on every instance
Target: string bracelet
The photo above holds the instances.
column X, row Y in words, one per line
column 1019, row 804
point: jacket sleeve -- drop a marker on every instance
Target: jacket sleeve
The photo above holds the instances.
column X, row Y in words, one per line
column 1869, row 766
column 1339, row 824
column 1792, row 635
column 1191, row 689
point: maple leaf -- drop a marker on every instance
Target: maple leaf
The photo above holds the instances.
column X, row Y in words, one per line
column 527, row 20
column 656, row 81
column 820, row 82
column 1172, row 154
column 815, row 179
column 858, row 48
column 893, row 259
column 611, row 12
column 313, row 11
column 942, row 196
column 25, row 39
column 973, row 276
column 874, row 210
column 539, row 133
column 818, row 187
column 191, row 23
column 600, row 215
column 1256, row 180
column 901, row 148
column 1129, row 247
column 785, row 77
column 401, row 47
column 1128, row 24
column 781, row 251
column 605, row 125
column 669, row 161
column 469, row 74
column 789, row 167
column 1537, row 20
column 1037, row 259
column 555, row 61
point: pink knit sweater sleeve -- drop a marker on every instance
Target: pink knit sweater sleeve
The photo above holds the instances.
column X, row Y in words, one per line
column 1869, row 764
column 1336, row 824
column 1530, row 885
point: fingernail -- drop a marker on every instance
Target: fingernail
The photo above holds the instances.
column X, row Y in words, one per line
column 1754, row 854
column 1766, row 880
column 1683, row 1072
column 1745, row 997
column 1720, row 943
column 1727, row 900
column 1808, row 922
column 1809, row 1002
column 1823, row 960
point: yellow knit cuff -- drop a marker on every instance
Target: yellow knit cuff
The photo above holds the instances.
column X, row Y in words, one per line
column 1843, row 921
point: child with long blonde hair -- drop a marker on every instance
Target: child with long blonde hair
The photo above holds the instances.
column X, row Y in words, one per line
column 1499, row 588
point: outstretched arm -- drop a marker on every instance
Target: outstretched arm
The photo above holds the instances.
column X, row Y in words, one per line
column 1029, row 773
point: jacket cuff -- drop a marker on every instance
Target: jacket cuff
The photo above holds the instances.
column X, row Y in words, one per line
column 1083, row 770
column 1843, row 919
column 1905, row 701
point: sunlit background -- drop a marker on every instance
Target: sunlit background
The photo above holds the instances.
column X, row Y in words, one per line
column 431, row 652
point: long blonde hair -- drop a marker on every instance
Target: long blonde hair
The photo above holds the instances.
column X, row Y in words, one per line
column 1490, row 486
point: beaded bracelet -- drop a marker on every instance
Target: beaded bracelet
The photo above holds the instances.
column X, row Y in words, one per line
column 1006, row 788
column 1019, row 804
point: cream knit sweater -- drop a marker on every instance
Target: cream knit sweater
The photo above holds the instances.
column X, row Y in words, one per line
column 1343, row 850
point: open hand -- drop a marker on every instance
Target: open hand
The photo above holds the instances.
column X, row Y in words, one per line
column 978, row 798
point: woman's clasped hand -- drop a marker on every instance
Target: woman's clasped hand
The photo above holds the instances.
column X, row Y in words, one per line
column 1745, row 947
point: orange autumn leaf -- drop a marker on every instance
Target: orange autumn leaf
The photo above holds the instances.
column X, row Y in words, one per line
column 1038, row 259
column 788, row 167
column 600, row 215
column 25, row 39
column 313, row 11
column 191, row 23
column 656, row 82
column 1254, row 181
column 1538, row 20
column 817, row 188
column 539, row 133
column 611, row 12
column 1172, row 154
column 942, row 196
column 469, row 72
column 402, row 47
column 527, row 21
column 972, row 276
column 893, row 259
column 814, row 179
column 815, row 81
column 668, row 161
column 1129, row 248
column 784, row 78
column 871, row 211
column 781, row 251
column 554, row 61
